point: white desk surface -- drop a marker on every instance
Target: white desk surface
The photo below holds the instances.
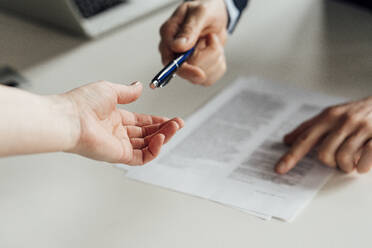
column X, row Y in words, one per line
column 62, row 200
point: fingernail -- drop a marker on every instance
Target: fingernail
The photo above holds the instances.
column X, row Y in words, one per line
column 180, row 122
column 280, row 168
column 135, row 83
column 181, row 41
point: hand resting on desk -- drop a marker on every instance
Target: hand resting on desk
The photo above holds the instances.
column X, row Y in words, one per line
column 341, row 134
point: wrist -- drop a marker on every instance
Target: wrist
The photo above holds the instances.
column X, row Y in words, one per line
column 218, row 12
column 216, row 9
column 66, row 119
column 233, row 14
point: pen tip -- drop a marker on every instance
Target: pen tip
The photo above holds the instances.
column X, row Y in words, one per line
column 153, row 85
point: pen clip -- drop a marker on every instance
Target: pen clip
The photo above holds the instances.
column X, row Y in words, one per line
column 167, row 80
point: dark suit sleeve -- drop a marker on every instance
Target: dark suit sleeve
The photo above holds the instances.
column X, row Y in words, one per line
column 235, row 9
column 240, row 4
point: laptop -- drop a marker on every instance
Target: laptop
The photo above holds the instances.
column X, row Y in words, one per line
column 87, row 17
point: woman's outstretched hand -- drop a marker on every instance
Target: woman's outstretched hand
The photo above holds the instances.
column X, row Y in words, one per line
column 108, row 133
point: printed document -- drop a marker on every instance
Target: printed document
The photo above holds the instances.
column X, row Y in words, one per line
column 227, row 151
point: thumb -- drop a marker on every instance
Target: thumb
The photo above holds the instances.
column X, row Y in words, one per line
column 127, row 94
column 190, row 30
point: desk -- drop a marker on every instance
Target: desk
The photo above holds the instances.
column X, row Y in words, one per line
column 62, row 200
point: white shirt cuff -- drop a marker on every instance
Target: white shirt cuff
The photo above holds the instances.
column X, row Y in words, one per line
column 234, row 14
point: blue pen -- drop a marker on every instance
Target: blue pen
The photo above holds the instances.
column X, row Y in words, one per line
column 164, row 76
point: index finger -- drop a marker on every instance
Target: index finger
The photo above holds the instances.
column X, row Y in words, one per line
column 195, row 21
column 170, row 28
column 291, row 137
column 302, row 146
column 168, row 31
column 167, row 55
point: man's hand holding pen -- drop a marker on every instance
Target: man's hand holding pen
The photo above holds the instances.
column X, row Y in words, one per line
column 200, row 23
